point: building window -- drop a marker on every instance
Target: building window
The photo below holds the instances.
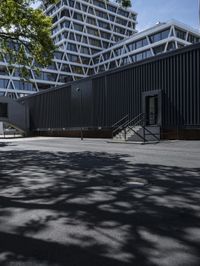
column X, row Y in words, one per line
column 180, row 45
column 71, row 47
column 95, row 42
column 71, row 3
column 101, row 68
column 101, row 14
column 103, row 25
column 105, row 35
column 180, row 34
column 85, row 60
column 73, row 58
column 119, row 30
column 4, row 71
column 77, row 70
column 91, row 21
column 90, row 10
column 94, row 51
column 78, row 27
column 141, row 56
column 159, row 49
column 71, row 36
column 91, row 72
column 141, row 43
column 192, row 38
column 159, row 36
column 58, row 55
column 65, row 78
column 119, row 51
column 117, row 38
column 131, row 47
column 106, row 56
column 112, row 64
column 65, row 68
column 85, row 50
column 99, row 3
column 78, row 6
column 112, row 18
column 93, row 31
column 112, row 8
column 78, row 16
column 122, row 12
column 124, row 61
column 105, row 44
column 171, row 46
column 65, row 13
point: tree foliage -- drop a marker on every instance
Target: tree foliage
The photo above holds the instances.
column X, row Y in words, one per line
column 124, row 3
column 25, row 33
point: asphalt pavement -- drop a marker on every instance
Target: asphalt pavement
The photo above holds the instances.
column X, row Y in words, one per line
column 70, row 202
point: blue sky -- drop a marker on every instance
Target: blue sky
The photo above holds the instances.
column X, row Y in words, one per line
column 152, row 11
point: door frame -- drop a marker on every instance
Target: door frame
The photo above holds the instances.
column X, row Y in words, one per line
column 157, row 93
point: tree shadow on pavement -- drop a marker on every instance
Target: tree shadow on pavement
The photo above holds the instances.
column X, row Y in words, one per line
column 5, row 144
column 79, row 209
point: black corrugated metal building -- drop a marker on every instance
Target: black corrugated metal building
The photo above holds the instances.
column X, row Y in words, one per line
column 165, row 87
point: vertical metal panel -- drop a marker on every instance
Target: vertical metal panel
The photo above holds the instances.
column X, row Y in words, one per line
column 111, row 95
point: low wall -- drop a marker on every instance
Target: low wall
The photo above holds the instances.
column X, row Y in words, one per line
column 182, row 134
column 74, row 133
column 170, row 134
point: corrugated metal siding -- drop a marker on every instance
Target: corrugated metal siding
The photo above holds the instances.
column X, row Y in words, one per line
column 109, row 96
column 50, row 110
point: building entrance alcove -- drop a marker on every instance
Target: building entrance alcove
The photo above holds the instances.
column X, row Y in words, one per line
column 152, row 110
column 151, row 107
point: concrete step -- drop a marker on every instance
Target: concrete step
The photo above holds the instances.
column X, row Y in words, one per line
column 139, row 134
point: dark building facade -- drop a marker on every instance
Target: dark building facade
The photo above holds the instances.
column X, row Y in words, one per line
column 166, row 88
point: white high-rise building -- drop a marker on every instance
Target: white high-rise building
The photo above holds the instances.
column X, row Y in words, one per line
column 94, row 36
column 161, row 38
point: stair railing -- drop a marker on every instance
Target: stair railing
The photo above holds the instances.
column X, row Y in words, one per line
column 125, row 124
column 139, row 120
column 150, row 133
column 119, row 125
column 120, row 121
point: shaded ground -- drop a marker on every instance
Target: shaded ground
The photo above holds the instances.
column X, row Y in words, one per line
column 66, row 202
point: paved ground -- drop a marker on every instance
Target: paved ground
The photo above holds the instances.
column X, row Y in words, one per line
column 67, row 202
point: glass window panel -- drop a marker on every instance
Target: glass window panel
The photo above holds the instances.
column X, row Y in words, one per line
column 3, row 83
column 180, row 34
column 112, row 64
column 171, row 46
column 159, row 49
column 65, row 78
column 159, row 36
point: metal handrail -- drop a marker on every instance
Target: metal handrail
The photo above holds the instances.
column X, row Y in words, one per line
column 135, row 124
column 129, row 124
column 135, row 119
column 119, row 127
column 152, row 134
column 126, row 123
column 114, row 125
column 137, row 134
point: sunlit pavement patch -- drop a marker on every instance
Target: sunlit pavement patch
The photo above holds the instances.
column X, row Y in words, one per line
column 137, row 182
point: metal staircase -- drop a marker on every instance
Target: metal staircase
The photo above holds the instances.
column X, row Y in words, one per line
column 135, row 130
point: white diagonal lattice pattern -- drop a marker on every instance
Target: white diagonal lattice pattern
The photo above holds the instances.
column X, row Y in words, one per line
column 94, row 36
